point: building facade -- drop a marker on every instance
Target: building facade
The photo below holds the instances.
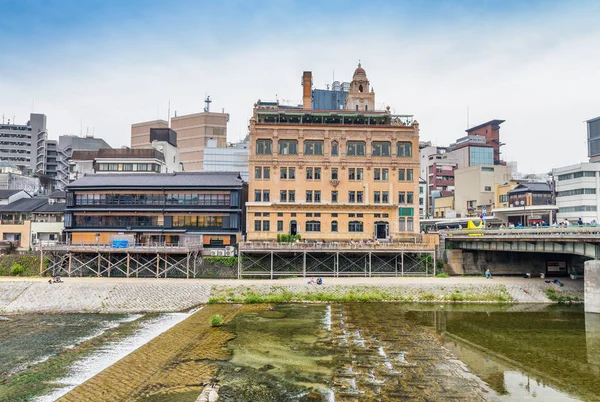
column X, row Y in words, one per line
column 25, row 145
column 66, row 145
column 125, row 160
column 156, row 208
column 233, row 158
column 578, row 192
column 194, row 132
column 491, row 132
column 333, row 175
column 475, row 186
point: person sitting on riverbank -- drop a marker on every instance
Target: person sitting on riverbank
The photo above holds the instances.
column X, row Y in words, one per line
column 58, row 279
column 312, row 281
column 319, row 281
column 488, row 274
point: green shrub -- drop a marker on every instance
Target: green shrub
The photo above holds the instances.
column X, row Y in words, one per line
column 17, row 270
column 216, row 320
column 442, row 275
column 227, row 261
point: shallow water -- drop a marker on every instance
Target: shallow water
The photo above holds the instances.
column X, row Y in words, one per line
column 26, row 339
column 387, row 351
column 350, row 352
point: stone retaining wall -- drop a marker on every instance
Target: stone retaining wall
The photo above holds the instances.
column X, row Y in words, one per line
column 98, row 297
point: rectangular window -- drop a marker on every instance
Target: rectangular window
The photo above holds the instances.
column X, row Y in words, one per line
column 317, row 196
column 288, row 147
column 401, row 197
column 266, row 196
column 359, row 196
column 359, row 173
column 282, row 196
column 258, row 172
column 385, row 198
column 312, row 147
column 381, row 148
column 292, row 196
column 409, row 175
column 257, row 226
column 317, row 173
column 309, row 214
column 377, row 174
column 280, row 226
column 264, row 147
column 409, row 197
column 266, row 226
column 334, row 196
column 257, row 195
column 504, row 197
column 334, row 174
column 292, row 173
column 351, row 196
column 317, row 214
column 309, row 195
column 385, row 174
column 309, row 173
column 351, row 174
column 401, row 174
column 487, row 188
column 280, row 214
column 283, row 173
column 377, row 197
column 487, row 169
column 355, row 148
column 266, row 173
column 404, row 149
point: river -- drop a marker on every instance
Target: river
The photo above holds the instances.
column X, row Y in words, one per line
column 328, row 352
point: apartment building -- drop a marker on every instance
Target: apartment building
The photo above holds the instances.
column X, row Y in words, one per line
column 333, row 174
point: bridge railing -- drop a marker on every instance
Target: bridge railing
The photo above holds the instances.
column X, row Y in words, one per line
column 332, row 246
column 542, row 231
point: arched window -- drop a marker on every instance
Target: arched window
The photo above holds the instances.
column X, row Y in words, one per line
column 366, row 107
column 355, row 226
column 360, row 88
column 313, row 226
column 264, row 147
column 334, row 226
column 334, row 148
column 357, row 108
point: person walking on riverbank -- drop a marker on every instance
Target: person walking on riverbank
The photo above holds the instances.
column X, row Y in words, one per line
column 488, row 274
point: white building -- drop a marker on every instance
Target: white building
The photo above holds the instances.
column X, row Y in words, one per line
column 234, row 158
column 422, row 198
column 578, row 192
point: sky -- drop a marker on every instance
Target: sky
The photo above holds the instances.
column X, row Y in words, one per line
column 96, row 66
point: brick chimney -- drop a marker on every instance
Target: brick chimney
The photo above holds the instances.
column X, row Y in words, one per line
column 307, row 90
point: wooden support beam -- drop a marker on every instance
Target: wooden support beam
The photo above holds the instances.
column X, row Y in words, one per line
column 187, row 265
column 157, row 264
column 99, row 264
column 127, row 274
column 70, row 263
column 41, row 260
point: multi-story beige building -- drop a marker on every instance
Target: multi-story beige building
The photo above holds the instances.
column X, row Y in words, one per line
column 140, row 132
column 475, row 187
column 193, row 134
column 194, row 131
column 333, row 174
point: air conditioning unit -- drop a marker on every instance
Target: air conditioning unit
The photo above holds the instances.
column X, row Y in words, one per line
column 221, row 253
column 214, row 253
column 229, row 249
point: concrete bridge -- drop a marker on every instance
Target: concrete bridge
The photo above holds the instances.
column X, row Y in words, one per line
column 543, row 242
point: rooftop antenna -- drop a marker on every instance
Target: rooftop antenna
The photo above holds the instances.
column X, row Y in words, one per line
column 208, row 102
column 169, row 114
column 2, row 119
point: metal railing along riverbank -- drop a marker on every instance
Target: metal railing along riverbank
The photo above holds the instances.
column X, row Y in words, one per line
column 583, row 232
column 336, row 246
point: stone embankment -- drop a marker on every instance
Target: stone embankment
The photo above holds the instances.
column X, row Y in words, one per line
column 107, row 295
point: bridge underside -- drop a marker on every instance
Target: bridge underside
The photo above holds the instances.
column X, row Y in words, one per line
column 123, row 264
column 590, row 250
column 277, row 263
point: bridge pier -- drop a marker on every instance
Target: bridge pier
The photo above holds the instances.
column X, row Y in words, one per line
column 592, row 286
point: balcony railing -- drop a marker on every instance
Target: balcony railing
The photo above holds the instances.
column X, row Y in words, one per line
column 334, row 246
